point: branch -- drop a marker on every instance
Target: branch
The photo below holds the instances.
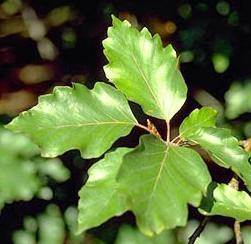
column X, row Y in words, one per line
column 237, row 232
column 234, row 183
column 198, row 230
column 168, row 131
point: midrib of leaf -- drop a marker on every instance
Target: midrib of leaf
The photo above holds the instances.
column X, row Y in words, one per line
column 156, row 182
column 95, row 123
column 147, row 83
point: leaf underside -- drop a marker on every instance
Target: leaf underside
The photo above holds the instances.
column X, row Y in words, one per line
column 143, row 70
column 160, row 180
column 77, row 118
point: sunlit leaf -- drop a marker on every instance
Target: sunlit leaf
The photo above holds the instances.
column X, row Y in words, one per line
column 77, row 118
column 160, row 180
column 204, row 117
column 146, row 72
column 101, row 197
column 224, row 149
column 226, row 201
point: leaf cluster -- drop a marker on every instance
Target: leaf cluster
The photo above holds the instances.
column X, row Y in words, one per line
column 162, row 175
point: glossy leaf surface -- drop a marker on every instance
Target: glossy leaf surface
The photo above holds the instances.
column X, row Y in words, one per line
column 160, row 180
column 226, row 201
column 224, row 149
column 142, row 69
column 77, row 118
column 100, row 197
column 204, row 117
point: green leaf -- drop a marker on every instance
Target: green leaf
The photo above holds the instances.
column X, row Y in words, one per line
column 146, row 72
column 77, row 118
column 204, row 117
column 21, row 176
column 226, row 201
column 101, row 198
column 18, row 180
column 51, row 226
column 212, row 234
column 160, row 180
column 128, row 234
column 238, row 99
column 224, row 149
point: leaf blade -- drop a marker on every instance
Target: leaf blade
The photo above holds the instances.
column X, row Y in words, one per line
column 224, row 149
column 159, row 200
column 226, row 201
column 145, row 71
column 77, row 118
column 204, row 117
column 101, row 194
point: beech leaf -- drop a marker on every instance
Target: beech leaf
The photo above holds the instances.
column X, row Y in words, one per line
column 204, row 117
column 100, row 197
column 224, row 149
column 160, row 180
column 224, row 200
column 145, row 71
column 77, row 118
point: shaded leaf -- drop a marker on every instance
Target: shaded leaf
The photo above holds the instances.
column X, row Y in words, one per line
column 224, row 149
column 51, row 226
column 101, row 198
column 226, row 201
column 212, row 234
column 128, row 234
column 77, row 118
column 204, row 117
column 238, row 99
column 20, row 174
column 146, row 72
column 160, row 180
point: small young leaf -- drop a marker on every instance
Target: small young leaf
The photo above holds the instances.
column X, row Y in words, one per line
column 100, row 197
column 226, row 201
column 77, row 118
column 146, row 72
column 204, row 117
column 160, row 180
column 224, row 149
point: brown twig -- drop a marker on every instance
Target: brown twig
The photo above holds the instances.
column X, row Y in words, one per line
column 234, row 183
column 198, row 230
column 237, row 232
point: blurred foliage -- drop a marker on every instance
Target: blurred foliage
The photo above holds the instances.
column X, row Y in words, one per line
column 238, row 99
column 49, row 227
column 23, row 172
column 213, row 233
